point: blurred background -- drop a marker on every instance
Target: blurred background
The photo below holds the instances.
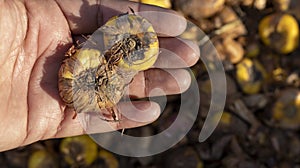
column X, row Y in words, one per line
column 257, row 41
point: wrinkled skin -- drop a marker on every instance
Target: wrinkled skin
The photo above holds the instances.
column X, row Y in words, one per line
column 35, row 36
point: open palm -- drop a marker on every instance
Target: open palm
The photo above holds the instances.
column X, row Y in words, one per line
column 36, row 34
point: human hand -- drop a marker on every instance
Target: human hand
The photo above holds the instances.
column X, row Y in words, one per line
column 36, row 34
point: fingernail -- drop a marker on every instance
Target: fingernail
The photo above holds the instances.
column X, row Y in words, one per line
column 142, row 111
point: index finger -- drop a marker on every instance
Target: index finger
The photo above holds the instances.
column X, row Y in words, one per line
column 84, row 17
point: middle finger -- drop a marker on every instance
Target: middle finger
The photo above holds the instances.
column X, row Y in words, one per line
column 174, row 52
